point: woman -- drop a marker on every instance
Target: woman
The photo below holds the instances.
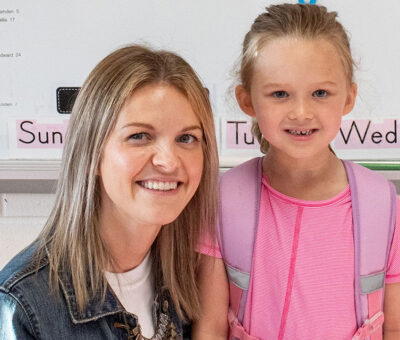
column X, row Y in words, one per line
column 137, row 184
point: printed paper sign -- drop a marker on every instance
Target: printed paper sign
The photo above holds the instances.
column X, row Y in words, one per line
column 367, row 134
column 28, row 137
column 238, row 135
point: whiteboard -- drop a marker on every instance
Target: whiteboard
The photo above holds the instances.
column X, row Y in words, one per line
column 46, row 45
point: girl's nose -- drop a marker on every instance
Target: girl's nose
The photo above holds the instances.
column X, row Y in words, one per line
column 301, row 110
column 166, row 159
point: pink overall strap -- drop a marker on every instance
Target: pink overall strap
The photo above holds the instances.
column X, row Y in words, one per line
column 240, row 190
column 373, row 205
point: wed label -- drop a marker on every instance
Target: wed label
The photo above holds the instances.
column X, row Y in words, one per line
column 367, row 134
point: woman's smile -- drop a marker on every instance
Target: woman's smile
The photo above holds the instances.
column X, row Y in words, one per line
column 159, row 185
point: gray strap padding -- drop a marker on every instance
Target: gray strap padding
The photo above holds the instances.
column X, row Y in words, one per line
column 238, row 278
column 372, row 283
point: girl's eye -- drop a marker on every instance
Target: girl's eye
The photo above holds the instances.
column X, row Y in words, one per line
column 280, row 94
column 187, row 139
column 142, row 136
column 320, row 93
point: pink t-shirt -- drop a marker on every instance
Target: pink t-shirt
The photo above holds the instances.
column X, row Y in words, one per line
column 301, row 285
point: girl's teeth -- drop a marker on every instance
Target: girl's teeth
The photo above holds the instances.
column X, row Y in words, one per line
column 158, row 185
column 301, row 133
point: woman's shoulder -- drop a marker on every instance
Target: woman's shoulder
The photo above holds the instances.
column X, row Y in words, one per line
column 23, row 282
column 21, row 268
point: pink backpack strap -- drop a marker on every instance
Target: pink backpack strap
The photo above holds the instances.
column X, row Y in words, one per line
column 240, row 190
column 373, row 205
column 236, row 329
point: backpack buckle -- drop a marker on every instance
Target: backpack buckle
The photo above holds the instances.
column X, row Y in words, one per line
column 370, row 326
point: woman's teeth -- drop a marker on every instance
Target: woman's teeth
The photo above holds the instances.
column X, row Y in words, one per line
column 158, row 185
column 301, row 132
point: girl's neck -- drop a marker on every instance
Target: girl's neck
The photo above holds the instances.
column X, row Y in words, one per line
column 318, row 179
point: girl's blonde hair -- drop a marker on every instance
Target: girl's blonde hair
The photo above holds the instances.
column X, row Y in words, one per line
column 297, row 21
column 71, row 237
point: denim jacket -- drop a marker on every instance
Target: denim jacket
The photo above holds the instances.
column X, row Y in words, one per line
column 29, row 310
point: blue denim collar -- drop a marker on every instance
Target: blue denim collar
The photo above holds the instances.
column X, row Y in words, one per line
column 94, row 309
column 24, row 265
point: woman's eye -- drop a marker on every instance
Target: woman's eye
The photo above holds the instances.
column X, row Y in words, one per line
column 139, row 136
column 320, row 93
column 187, row 139
column 280, row 94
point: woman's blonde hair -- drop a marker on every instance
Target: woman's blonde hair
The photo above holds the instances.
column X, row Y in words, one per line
column 71, row 236
column 298, row 21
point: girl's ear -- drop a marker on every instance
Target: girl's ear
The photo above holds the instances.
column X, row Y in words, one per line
column 244, row 100
column 351, row 99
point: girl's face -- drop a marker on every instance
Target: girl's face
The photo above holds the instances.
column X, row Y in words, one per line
column 299, row 93
column 152, row 162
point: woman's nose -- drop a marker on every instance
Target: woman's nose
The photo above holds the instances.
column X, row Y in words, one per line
column 300, row 110
column 166, row 158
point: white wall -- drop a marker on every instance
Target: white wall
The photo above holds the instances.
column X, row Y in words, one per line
column 22, row 216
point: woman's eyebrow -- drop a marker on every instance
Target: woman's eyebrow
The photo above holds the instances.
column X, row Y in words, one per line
column 137, row 124
column 192, row 127
column 151, row 127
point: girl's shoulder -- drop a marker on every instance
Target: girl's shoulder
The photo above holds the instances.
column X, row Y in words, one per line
column 249, row 168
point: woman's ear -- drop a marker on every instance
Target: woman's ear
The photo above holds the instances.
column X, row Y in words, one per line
column 244, row 100
column 351, row 99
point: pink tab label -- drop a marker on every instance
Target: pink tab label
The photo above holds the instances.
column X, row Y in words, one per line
column 238, row 135
column 34, row 135
column 365, row 134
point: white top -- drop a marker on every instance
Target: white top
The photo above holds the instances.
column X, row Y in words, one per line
column 135, row 291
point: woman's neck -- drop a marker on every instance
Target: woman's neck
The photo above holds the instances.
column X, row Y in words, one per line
column 318, row 179
column 128, row 245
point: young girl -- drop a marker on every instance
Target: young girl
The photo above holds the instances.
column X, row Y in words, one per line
column 297, row 82
column 137, row 185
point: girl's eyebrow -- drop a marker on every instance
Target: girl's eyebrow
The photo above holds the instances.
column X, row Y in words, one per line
column 277, row 85
column 268, row 85
column 327, row 82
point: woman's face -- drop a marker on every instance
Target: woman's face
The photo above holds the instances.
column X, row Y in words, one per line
column 152, row 162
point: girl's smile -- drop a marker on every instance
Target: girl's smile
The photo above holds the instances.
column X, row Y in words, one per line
column 301, row 134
